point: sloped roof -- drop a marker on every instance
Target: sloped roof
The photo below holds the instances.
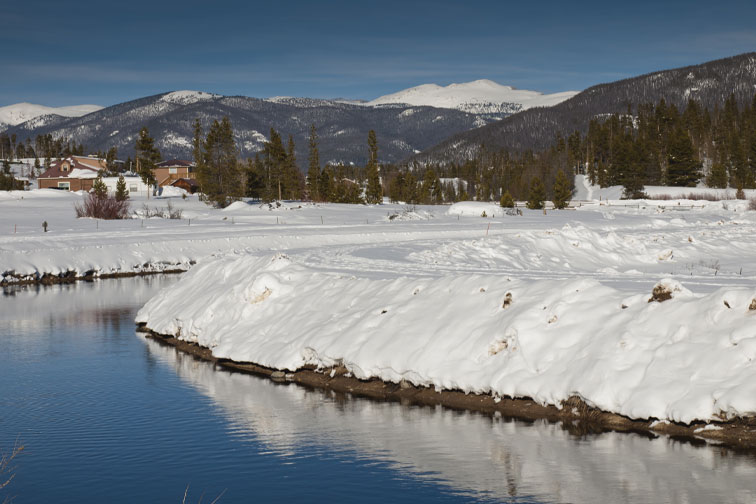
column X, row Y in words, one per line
column 80, row 167
column 173, row 163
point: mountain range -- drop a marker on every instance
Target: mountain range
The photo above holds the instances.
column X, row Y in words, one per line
column 710, row 84
column 406, row 122
column 426, row 124
column 19, row 113
column 481, row 97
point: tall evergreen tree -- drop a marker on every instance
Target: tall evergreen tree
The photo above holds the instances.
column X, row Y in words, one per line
column 220, row 175
column 147, row 156
column 718, row 176
column 374, row 191
column 292, row 175
column 313, row 170
column 197, row 140
column 537, row 194
column 99, row 188
column 683, row 167
column 255, row 175
column 274, row 155
column 121, row 194
column 562, row 191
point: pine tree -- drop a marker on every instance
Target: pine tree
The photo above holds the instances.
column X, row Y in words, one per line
column 718, row 176
column 506, row 200
column 147, row 156
column 110, row 159
column 325, row 184
column 220, row 175
column 255, row 175
column 313, row 170
column 292, row 175
column 374, row 191
column 121, row 194
column 274, row 161
column 683, row 168
column 537, row 194
column 99, row 188
column 562, row 191
column 197, row 154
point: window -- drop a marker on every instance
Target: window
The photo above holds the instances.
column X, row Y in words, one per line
column 133, row 188
column 173, row 171
column 64, row 185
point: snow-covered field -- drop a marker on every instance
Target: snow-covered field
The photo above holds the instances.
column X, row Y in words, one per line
column 546, row 306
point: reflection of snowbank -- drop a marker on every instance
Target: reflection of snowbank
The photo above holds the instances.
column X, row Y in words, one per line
column 685, row 359
column 76, row 304
column 471, row 452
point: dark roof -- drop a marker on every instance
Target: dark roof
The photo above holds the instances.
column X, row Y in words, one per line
column 171, row 163
column 189, row 181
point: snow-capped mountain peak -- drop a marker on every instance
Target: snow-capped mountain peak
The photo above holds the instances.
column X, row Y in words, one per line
column 187, row 97
column 18, row 113
column 482, row 96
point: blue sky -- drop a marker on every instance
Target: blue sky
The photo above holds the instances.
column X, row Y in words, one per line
column 64, row 53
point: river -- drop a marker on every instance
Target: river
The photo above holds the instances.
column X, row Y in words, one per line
column 106, row 415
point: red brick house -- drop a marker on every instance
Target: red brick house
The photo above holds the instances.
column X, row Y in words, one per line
column 74, row 173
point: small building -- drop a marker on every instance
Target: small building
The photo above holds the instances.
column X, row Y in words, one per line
column 134, row 184
column 74, row 173
column 187, row 184
column 173, row 169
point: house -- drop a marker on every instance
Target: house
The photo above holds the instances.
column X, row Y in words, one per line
column 134, row 184
column 187, row 184
column 74, row 173
column 173, row 169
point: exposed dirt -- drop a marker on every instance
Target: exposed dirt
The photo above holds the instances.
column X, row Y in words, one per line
column 68, row 277
column 576, row 416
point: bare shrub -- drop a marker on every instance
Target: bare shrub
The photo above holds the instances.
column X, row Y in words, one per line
column 164, row 213
column 172, row 213
column 107, row 207
column 752, row 204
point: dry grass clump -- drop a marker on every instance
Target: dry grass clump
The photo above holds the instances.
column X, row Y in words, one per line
column 691, row 196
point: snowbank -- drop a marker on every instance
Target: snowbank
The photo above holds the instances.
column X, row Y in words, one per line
column 477, row 209
column 687, row 358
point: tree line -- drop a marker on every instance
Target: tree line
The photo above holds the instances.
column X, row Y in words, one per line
column 273, row 173
column 651, row 144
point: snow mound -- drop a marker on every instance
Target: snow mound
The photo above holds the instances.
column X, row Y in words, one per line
column 689, row 358
column 477, row 209
column 173, row 192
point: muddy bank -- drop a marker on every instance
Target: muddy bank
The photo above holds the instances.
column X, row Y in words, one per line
column 577, row 417
column 10, row 278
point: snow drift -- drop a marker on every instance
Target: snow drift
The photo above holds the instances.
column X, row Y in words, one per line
column 687, row 358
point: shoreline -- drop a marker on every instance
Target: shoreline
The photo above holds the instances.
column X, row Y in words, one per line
column 577, row 417
column 70, row 276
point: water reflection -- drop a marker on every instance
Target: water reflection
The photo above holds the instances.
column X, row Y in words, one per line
column 488, row 457
column 98, row 303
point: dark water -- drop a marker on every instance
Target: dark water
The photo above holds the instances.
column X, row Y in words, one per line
column 107, row 416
